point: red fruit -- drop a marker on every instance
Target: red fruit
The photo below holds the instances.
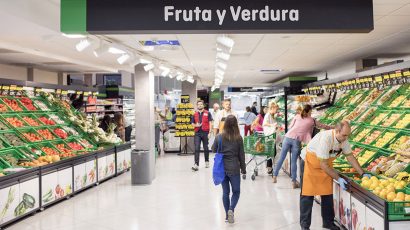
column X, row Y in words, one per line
column 32, row 137
column 46, row 134
column 28, row 103
column 31, row 121
column 75, row 146
column 3, row 108
column 49, row 151
column 15, row 122
column 13, row 104
column 47, row 121
column 60, row 133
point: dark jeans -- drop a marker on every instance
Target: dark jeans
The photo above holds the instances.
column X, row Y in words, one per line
column 294, row 147
column 235, row 183
column 306, row 204
column 201, row 137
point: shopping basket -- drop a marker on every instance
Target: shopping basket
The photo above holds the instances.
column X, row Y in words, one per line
column 259, row 145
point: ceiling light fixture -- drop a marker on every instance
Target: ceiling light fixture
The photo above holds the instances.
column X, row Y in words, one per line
column 165, row 70
column 149, row 67
column 225, row 41
column 222, row 65
column 180, row 76
column 101, row 49
column 82, row 45
column 123, row 58
column 73, row 35
column 224, row 56
column 115, row 50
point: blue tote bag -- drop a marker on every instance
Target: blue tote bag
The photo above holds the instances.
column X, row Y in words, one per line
column 218, row 171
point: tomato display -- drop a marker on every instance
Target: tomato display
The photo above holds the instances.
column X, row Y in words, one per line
column 13, row 104
column 61, row 133
column 28, row 103
column 49, row 151
column 32, row 137
column 31, row 121
column 47, row 121
column 15, row 122
column 65, row 152
column 75, row 146
column 3, row 108
column 46, row 134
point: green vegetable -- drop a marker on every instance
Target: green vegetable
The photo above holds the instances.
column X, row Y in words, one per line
column 20, row 209
column 48, row 196
column 10, row 199
column 28, row 200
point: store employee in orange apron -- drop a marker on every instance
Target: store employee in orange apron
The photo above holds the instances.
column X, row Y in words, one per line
column 318, row 173
column 219, row 119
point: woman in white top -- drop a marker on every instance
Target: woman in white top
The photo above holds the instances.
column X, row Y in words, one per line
column 269, row 127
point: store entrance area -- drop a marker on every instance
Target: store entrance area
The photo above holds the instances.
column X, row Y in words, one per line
column 177, row 199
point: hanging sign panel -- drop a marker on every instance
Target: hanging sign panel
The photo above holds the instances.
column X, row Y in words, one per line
column 216, row 16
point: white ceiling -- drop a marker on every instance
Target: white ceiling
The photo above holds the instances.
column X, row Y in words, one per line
column 31, row 27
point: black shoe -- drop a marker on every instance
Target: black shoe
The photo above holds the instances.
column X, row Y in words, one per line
column 305, row 228
column 331, row 227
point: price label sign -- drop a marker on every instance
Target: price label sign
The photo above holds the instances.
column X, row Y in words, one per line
column 79, row 92
column 95, row 93
column 64, row 92
column 38, row 90
column 86, row 94
column 406, row 73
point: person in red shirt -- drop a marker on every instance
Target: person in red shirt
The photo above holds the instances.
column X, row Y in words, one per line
column 201, row 120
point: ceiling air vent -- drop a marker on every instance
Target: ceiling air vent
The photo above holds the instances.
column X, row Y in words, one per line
column 271, row 71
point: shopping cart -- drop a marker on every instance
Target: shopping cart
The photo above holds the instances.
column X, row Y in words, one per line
column 258, row 146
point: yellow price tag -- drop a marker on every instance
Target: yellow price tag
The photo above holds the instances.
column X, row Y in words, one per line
column 406, row 73
column 399, row 74
column 79, row 92
column 386, row 76
column 6, row 87
column 38, row 90
column 13, row 87
column 393, row 75
column 86, row 94
column 19, row 88
column 95, row 93
column 378, row 79
column 64, row 92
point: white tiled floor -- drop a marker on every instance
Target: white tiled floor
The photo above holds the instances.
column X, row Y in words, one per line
column 177, row 199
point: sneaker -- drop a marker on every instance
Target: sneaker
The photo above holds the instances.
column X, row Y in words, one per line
column 331, row 227
column 195, row 168
column 231, row 218
column 295, row 185
column 270, row 170
column 274, row 179
column 207, row 164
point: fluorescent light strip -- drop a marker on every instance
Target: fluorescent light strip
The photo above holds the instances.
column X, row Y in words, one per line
column 82, row 45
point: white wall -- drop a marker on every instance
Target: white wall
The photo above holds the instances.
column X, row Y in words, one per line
column 13, row 72
column 45, row 76
column 126, row 79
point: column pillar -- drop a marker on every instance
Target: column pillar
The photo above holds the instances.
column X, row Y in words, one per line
column 144, row 114
column 189, row 89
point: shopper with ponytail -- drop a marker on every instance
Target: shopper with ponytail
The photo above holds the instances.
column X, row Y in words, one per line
column 300, row 131
column 230, row 143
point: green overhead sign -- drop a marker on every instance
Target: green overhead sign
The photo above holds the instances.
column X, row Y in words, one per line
column 73, row 16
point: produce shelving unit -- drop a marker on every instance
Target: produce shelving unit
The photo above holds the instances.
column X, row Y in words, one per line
column 366, row 100
column 38, row 186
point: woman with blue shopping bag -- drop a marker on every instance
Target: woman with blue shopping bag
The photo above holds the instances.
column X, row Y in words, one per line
column 229, row 164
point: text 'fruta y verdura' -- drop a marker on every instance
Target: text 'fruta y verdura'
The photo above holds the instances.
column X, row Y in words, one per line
column 236, row 12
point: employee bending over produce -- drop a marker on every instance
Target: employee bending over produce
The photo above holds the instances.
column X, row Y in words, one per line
column 318, row 173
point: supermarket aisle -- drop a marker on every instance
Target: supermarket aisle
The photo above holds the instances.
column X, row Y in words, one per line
column 178, row 199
